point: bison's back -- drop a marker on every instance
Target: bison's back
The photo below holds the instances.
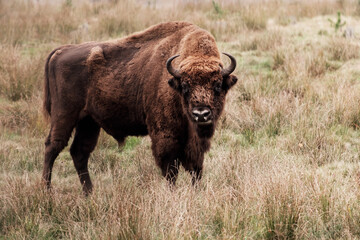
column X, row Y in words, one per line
column 66, row 71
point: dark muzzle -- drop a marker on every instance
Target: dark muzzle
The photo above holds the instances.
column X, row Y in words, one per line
column 202, row 115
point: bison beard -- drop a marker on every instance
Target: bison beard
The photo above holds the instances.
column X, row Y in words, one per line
column 130, row 87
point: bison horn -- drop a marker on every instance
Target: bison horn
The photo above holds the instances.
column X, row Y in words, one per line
column 170, row 69
column 227, row 71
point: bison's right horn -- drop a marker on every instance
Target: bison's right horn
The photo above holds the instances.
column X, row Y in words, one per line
column 170, row 69
column 227, row 71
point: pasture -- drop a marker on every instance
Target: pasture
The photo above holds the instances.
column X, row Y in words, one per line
column 284, row 161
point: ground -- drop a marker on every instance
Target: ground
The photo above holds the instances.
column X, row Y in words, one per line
column 284, row 161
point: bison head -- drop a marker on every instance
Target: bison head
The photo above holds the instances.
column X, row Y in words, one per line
column 202, row 84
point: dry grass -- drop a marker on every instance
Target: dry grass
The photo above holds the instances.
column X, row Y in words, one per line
column 283, row 162
column 341, row 49
column 20, row 72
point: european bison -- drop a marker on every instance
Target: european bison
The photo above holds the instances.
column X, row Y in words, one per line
column 130, row 86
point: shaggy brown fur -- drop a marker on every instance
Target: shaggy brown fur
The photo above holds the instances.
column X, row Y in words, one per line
column 122, row 86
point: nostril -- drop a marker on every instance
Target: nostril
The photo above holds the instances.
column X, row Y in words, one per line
column 196, row 113
column 206, row 113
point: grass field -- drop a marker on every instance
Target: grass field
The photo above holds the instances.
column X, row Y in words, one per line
column 284, row 162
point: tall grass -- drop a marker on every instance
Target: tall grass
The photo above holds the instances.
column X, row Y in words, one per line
column 284, row 158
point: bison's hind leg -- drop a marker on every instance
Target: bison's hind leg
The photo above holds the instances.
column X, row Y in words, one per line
column 56, row 141
column 87, row 133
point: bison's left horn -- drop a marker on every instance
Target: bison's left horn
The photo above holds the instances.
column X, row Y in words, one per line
column 170, row 69
column 227, row 71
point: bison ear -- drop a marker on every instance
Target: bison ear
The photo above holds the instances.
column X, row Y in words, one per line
column 175, row 84
column 229, row 81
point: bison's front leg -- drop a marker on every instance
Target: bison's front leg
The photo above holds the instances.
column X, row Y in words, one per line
column 194, row 168
column 166, row 151
column 170, row 169
column 196, row 175
column 193, row 161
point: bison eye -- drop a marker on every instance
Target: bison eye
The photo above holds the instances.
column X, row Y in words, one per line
column 185, row 88
column 217, row 87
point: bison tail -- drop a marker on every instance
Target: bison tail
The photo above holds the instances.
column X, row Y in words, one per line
column 47, row 97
